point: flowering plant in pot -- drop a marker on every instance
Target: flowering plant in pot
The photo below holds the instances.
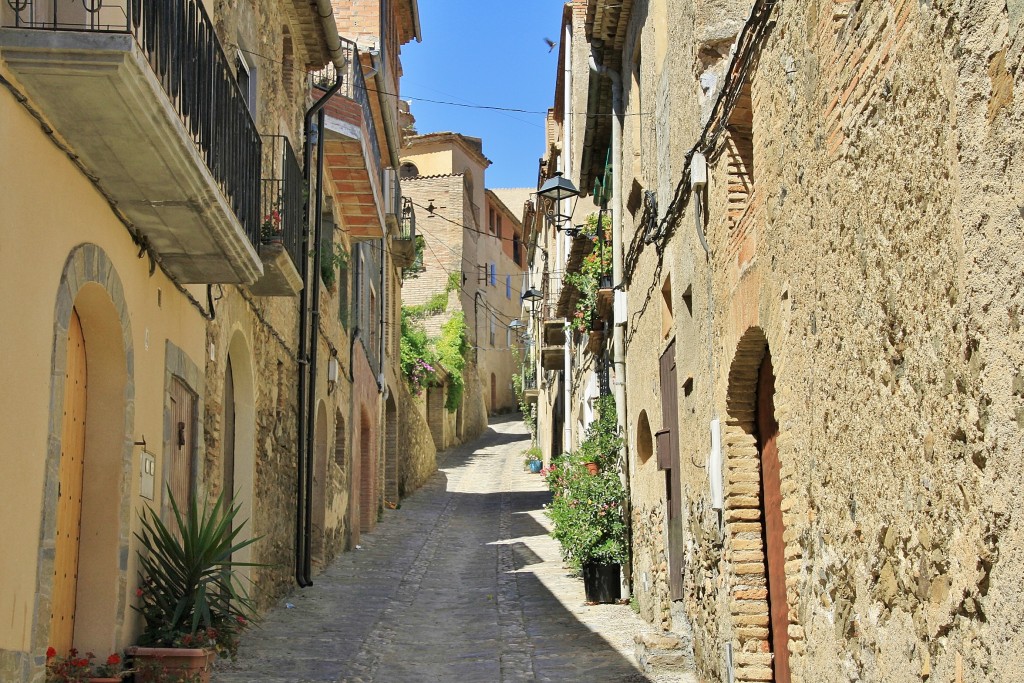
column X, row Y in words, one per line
column 192, row 603
column 587, row 509
column 272, row 229
column 73, row 668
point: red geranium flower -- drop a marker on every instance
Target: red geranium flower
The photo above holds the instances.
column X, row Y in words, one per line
column 114, row 659
column 51, row 652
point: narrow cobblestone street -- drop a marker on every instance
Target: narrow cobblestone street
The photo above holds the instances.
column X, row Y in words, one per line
column 460, row 584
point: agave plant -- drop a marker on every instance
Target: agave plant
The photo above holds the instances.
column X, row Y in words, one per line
column 189, row 592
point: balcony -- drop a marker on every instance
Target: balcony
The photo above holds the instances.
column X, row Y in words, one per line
column 281, row 212
column 403, row 245
column 530, row 391
column 144, row 95
column 351, row 149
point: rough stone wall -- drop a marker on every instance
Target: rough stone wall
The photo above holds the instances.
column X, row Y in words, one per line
column 418, row 460
column 878, row 261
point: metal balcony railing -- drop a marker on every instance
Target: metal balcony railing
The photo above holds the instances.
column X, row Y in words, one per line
column 281, row 203
column 354, row 88
column 407, row 224
column 180, row 43
column 529, row 381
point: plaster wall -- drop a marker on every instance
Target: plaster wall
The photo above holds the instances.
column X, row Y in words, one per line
column 154, row 311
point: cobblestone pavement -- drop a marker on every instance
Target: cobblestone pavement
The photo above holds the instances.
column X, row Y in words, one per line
column 462, row 583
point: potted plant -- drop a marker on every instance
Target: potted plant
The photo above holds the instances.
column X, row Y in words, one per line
column 533, row 461
column 192, row 604
column 587, row 508
column 73, row 668
column 272, row 229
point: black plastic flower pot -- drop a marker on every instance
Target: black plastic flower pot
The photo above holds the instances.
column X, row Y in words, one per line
column 601, row 582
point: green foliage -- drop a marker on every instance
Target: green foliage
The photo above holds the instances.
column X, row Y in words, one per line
column 432, row 306
column 188, row 587
column 452, row 352
column 586, row 509
column 417, row 265
column 587, row 513
column 422, row 357
column 594, row 265
column 331, row 259
column 454, row 281
column 601, row 442
column 418, row 357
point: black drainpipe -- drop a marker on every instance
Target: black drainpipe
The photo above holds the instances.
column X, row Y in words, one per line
column 307, row 162
column 314, row 347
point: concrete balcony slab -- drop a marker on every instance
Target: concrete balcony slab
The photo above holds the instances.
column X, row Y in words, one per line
column 101, row 95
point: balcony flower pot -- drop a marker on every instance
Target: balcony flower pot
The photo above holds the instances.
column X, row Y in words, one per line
column 593, row 468
column 601, row 582
column 172, row 664
column 536, row 466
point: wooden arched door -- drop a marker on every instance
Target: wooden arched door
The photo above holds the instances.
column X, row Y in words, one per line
column 774, row 529
column 69, row 491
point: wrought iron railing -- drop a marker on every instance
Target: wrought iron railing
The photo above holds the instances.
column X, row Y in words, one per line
column 529, row 381
column 407, row 224
column 181, row 46
column 281, row 203
column 552, row 292
column 354, row 88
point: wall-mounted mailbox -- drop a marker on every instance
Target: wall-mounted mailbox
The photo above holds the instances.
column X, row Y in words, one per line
column 147, row 469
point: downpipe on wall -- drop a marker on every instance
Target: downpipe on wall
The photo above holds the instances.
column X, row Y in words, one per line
column 618, row 331
column 306, row 377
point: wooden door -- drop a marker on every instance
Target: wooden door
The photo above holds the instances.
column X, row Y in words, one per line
column 69, row 491
column 771, row 501
column 673, row 490
column 179, row 467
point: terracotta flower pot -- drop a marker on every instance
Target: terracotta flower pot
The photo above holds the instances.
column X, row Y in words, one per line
column 178, row 662
column 592, row 468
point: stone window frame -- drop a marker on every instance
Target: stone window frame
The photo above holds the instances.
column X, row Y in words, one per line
column 743, row 550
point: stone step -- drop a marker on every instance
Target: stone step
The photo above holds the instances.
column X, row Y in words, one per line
column 666, row 653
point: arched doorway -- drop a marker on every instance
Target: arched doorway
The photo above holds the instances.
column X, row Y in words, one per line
column 319, row 513
column 391, row 451
column 85, row 512
column 367, row 471
column 341, row 460
column 494, row 393
column 239, row 439
column 771, row 507
column 753, row 427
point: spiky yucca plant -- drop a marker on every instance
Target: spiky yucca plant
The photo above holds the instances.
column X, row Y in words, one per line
column 189, row 593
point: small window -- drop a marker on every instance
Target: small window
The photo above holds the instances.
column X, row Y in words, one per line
column 667, row 317
column 508, row 286
column 492, row 330
column 494, row 275
column 490, row 220
column 245, row 76
column 498, row 232
column 408, row 170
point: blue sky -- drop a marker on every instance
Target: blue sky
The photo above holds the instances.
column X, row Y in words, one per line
column 486, row 52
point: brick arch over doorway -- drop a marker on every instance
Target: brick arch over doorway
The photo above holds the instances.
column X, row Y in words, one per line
column 762, row 605
column 91, row 289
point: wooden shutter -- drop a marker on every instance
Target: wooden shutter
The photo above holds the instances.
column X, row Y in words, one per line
column 668, row 438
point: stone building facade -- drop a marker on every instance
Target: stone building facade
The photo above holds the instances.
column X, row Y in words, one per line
column 834, row 306
column 165, row 347
column 464, row 228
